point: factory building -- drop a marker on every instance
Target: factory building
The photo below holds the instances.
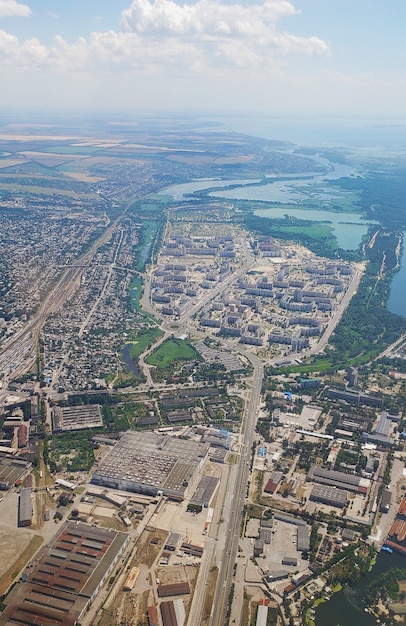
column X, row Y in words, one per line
column 355, row 397
column 67, row 577
column 205, row 491
column 25, row 507
column 326, row 494
column 348, row 482
column 144, row 462
column 76, row 417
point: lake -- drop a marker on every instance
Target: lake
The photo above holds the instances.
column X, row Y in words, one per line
column 349, row 228
column 346, row 606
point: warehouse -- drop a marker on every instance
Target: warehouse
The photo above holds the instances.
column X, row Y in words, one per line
column 329, row 495
column 173, row 613
column 66, row 578
column 385, row 501
column 145, row 462
column 303, row 538
column 174, row 589
column 76, row 417
column 262, row 615
column 205, row 491
column 350, row 482
column 25, row 508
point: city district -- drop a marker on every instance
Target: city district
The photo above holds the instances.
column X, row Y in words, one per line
column 166, row 458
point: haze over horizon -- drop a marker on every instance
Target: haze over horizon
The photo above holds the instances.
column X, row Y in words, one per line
column 215, row 57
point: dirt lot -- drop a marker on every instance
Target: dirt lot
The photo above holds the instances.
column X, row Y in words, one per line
column 16, row 549
column 131, row 607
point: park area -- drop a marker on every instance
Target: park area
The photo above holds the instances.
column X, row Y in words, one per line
column 172, row 351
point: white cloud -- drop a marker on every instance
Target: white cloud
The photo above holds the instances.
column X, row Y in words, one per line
column 203, row 37
column 205, row 18
column 10, row 8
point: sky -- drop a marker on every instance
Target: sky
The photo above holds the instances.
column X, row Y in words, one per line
column 213, row 57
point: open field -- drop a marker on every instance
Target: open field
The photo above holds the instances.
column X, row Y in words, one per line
column 10, row 162
column 144, row 338
column 16, row 548
column 37, row 190
column 170, row 352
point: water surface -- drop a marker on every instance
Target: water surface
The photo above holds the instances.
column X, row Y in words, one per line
column 346, row 607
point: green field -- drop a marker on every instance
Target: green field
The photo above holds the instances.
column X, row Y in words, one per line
column 144, row 338
column 315, row 231
column 172, row 351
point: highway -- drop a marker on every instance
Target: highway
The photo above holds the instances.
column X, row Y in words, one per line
column 233, row 517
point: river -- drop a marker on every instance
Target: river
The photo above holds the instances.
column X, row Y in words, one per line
column 348, row 228
column 397, row 297
column 346, row 606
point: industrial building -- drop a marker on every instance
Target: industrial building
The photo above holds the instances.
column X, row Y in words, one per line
column 205, row 491
column 12, row 471
column 303, row 538
column 385, row 501
column 273, row 482
column 278, row 575
column 67, row 577
column 25, row 507
column 173, row 613
column 174, row 589
column 325, row 494
column 131, row 579
column 258, row 547
column 262, row 615
column 289, row 560
column 76, row 417
column 172, row 542
column 148, row 463
column 303, row 530
column 349, row 482
column 355, row 397
column 152, row 615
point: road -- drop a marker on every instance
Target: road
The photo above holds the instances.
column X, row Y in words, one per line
column 106, row 283
column 237, row 498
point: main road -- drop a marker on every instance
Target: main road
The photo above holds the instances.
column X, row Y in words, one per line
column 233, row 517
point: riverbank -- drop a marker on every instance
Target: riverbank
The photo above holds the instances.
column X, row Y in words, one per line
column 347, row 606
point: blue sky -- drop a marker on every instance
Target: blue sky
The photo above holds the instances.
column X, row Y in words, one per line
column 290, row 57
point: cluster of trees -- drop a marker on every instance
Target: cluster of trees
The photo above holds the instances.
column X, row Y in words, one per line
column 73, row 452
column 386, row 585
column 353, row 567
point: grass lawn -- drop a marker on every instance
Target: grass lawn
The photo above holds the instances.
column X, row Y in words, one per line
column 171, row 351
column 144, row 338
